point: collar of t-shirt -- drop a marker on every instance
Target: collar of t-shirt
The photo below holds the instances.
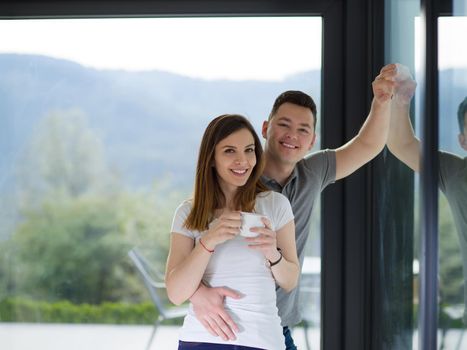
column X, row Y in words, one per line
column 273, row 184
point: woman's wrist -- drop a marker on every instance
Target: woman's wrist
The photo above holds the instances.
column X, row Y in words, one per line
column 206, row 244
column 276, row 258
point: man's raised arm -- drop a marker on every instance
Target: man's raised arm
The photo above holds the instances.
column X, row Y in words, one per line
column 401, row 139
column 372, row 137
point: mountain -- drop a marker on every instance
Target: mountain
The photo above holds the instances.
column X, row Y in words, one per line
column 150, row 122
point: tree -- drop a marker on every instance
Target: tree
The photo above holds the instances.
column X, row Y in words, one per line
column 65, row 157
column 450, row 258
column 78, row 223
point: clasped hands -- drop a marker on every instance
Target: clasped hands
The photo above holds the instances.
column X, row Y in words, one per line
column 394, row 82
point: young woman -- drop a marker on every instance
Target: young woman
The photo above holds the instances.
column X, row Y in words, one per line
column 206, row 246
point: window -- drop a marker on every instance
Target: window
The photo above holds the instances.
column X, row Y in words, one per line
column 444, row 285
column 100, row 127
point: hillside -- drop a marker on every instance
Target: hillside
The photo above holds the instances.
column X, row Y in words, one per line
column 149, row 122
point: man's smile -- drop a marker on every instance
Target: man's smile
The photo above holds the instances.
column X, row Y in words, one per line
column 288, row 145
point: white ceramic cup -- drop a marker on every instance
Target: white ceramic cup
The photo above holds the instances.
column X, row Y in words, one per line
column 250, row 220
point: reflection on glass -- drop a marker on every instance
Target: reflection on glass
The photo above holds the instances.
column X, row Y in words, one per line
column 452, row 176
column 452, row 183
column 397, row 259
column 453, row 247
column 98, row 141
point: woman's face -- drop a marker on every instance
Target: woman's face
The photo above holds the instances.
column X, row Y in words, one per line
column 235, row 159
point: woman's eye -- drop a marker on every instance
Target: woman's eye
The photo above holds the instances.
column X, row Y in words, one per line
column 229, row 150
column 249, row 150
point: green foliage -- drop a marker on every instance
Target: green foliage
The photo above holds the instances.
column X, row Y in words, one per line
column 451, row 280
column 24, row 310
column 450, row 258
column 64, row 157
column 70, row 249
column 76, row 248
column 78, row 223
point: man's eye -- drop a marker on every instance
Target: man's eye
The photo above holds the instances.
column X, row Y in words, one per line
column 282, row 124
column 304, row 131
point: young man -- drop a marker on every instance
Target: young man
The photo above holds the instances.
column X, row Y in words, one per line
column 452, row 174
column 290, row 135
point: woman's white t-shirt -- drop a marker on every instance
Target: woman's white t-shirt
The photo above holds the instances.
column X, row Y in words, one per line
column 245, row 270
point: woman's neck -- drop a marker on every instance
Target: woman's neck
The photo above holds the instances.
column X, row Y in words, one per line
column 229, row 194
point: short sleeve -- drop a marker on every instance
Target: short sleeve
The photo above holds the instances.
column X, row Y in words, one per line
column 449, row 165
column 323, row 164
column 282, row 211
column 178, row 222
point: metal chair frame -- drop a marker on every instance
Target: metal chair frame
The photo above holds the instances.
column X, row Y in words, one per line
column 154, row 282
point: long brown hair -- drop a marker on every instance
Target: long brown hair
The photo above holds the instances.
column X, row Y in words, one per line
column 208, row 194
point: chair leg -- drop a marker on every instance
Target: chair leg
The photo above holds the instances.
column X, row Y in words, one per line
column 443, row 338
column 156, row 324
column 305, row 331
column 459, row 342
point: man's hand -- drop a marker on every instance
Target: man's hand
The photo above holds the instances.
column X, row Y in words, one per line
column 383, row 85
column 405, row 86
column 401, row 140
column 373, row 135
column 208, row 305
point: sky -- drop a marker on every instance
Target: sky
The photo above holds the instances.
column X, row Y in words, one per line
column 452, row 52
column 269, row 48
column 452, row 48
column 241, row 48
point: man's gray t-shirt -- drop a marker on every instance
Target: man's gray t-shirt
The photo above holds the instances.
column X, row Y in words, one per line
column 309, row 177
column 453, row 183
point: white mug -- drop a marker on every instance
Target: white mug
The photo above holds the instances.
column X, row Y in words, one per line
column 250, row 220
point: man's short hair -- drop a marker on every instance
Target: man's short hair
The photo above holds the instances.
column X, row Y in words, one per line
column 461, row 114
column 297, row 98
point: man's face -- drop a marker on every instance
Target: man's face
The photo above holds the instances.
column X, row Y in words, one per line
column 463, row 135
column 290, row 133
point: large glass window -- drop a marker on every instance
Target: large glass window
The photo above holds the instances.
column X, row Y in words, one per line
column 403, row 17
column 452, row 67
column 397, row 252
column 100, row 123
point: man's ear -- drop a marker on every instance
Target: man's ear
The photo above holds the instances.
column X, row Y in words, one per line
column 264, row 129
column 312, row 143
column 463, row 141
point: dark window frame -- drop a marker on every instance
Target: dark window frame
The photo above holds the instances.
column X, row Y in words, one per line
column 352, row 55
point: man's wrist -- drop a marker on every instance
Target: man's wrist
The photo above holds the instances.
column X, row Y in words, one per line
column 401, row 103
column 381, row 103
column 200, row 287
